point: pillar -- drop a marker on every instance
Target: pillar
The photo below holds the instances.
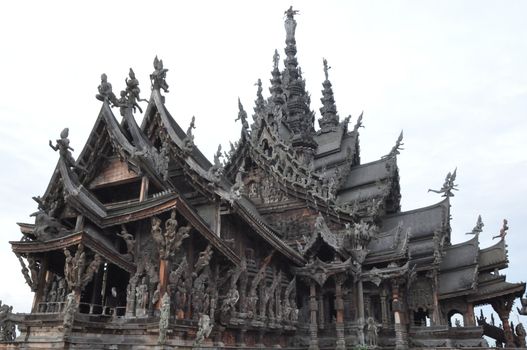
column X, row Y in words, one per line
column 143, row 194
column 384, row 308
column 400, row 342
column 468, row 317
column 163, row 280
column 360, row 311
column 339, row 308
column 313, row 307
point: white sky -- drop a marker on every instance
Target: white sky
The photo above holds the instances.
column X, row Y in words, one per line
column 451, row 74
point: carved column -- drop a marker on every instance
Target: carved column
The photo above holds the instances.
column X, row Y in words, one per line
column 469, row 319
column 313, row 307
column 384, row 307
column 360, row 311
column 164, row 272
column 44, row 277
column 144, row 189
column 400, row 342
column 503, row 306
column 321, row 322
column 339, row 308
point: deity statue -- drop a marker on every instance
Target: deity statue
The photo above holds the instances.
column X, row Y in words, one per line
column 141, row 294
column 204, row 329
column 132, row 91
column 448, row 185
column 105, row 91
column 503, row 230
column 372, row 332
column 63, row 146
column 290, row 25
column 159, row 75
column 129, row 240
column 164, row 318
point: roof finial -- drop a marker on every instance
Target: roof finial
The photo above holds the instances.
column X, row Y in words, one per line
column 105, row 91
column 326, row 67
column 503, row 230
column 478, row 228
column 276, row 59
column 329, row 109
column 242, row 115
column 159, row 75
column 290, row 24
column 395, row 149
column 448, row 185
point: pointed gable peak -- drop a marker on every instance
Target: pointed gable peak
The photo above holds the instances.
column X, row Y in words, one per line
column 330, row 117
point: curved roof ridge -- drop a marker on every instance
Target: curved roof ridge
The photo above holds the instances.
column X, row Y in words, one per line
column 467, row 242
column 500, row 245
column 432, row 206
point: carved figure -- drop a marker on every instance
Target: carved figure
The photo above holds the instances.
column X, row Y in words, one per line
column 157, row 235
column 189, row 139
column 69, row 312
column 132, row 91
column 520, row 333
column 105, row 91
column 397, row 148
column 448, row 185
column 230, row 301
column 164, row 318
column 129, row 240
column 63, row 146
column 372, row 331
column 203, row 260
column 46, row 226
column 503, row 230
column 141, row 294
column 25, row 272
column 159, row 75
column 204, row 329
column 242, row 115
column 478, row 228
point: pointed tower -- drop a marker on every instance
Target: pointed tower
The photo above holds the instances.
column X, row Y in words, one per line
column 330, row 118
column 298, row 116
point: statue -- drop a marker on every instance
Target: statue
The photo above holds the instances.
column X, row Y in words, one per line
column 204, row 329
column 358, row 124
column 105, row 91
column 503, row 230
column 478, row 228
column 63, row 146
column 448, row 185
column 290, row 25
column 132, row 92
column 230, row 301
column 141, row 294
column 276, row 59
column 157, row 235
column 158, row 76
column 164, row 318
column 372, row 331
column 326, row 68
column 242, row 115
column 203, row 260
column 46, row 226
column 397, row 148
column 189, row 139
column 69, row 312
column 129, row 240
column 520, row 333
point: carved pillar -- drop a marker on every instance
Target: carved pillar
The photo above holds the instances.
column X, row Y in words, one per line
column 360, row 311
column 384, row 307
column 436, row 318
column 43, row 278
column 503, row 306
column 321, row 322
column 164, row 272
column 468, row 318
column 79, row 223
column 339, row 308
column 144, row 189
column 400, row 341
column 313, row 307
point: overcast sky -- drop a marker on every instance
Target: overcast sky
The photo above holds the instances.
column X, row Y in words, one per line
column 451, row 74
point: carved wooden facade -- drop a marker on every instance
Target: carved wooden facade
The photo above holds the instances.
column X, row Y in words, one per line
column 290, row 241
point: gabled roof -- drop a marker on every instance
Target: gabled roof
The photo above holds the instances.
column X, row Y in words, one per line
column 493, row 257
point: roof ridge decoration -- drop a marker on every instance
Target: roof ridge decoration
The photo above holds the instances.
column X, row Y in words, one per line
column 330, row 118
column 242, row 116
column 448, row 185
column 478, row 228
column 503, row 230
column 396, row 148
column 158, row 76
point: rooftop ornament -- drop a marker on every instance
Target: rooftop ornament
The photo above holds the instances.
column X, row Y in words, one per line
column 397, row 148
column 132, row 92
column 478, row 228
column 105, row 91
column 63, row 146
column 503, row 230
column 448, row 185
column 158, row 76
column 242, row 115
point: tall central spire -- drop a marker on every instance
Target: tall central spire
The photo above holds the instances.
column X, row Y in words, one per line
column 299, row 117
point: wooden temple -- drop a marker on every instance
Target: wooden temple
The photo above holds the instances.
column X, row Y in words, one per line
column 286, row 241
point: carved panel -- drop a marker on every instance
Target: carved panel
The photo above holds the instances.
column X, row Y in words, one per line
column 420, row 295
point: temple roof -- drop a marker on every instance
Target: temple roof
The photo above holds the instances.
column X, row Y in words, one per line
column 493, row 257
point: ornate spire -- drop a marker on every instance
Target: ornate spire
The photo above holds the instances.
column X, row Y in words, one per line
column 259, row 103
column 330, row 117
column 298, row 114
column 158, row 76
column 277, row 93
